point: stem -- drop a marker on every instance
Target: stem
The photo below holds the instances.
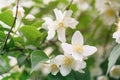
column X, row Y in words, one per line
column 8, row 35
column 68, row 7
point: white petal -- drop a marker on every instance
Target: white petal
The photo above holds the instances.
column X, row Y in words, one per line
column 116, row 35
column 70, row 22
column 30, row 17
column 58, row 14
column 55, row 72
column 77, row 38
column 65, row 70
column 67, row 48
column 47, row 23
column 68, row 14
column 89, row 50
column 81, row 71
column 61, row 34
column 77, row 56
column 45, row 68
column 79, row 65
column 58, row 60
column 51, row 34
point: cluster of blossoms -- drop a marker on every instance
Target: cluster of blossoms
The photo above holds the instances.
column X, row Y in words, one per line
column 74, row 53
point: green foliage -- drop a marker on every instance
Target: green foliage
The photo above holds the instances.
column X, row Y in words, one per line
column 21, row 59
column 37, row 57
column 115, row 54
column 7, row 17
column 4, row 64
column 31, row 34
column 72, row 76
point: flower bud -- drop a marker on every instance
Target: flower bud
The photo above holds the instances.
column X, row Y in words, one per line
column 30, row 17
column 115, row 72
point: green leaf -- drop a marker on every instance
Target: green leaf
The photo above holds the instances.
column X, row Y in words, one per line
column 38, row 24
column 37, row 57
column 10, row 44
column 3, row 29
column 32, row 34
column 21, row 59
column 2, row 36
column 7, row 17
column 114, row 55
column 4, row 64
column 82, row 76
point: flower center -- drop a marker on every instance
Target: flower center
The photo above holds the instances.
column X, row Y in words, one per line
column 78, row 48
column 61, row 25
column 116, row 71
column 67, row 61
column 54, row 67
column 110, row 12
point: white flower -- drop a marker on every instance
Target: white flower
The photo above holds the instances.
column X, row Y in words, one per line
column 63, row 20
column 108, row 10
column 82, row 4
column 66, row 63
column 48, row 51
column 116, row 35
column 6, row 3
column 115, row 72
column 20, row 13
column 77, row 49
column 30, row 17
column 45, row 68
column 50, row 67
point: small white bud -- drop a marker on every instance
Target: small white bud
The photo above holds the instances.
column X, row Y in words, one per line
column 115, row 72
column 30, row 17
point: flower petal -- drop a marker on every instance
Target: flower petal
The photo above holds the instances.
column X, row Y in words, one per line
column 51, row 34
column 77, row 56
column 65, row 70
column 67, row 48
column 48, row 22
column 70, row 22
column 58, row 14
column 116, row 35
column 67, row 13
column 61, row 34
column 77, row 38
column 58, row 60
column 79, row 65
column 89, row 50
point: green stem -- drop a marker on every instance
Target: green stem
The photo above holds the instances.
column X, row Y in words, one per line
column 69, row 5
column 8, row 35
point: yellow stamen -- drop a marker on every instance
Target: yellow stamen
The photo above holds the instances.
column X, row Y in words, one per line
column 78, row 48
column 67, row 61
column 54, row 67
column 110, row 12
column 61, row 25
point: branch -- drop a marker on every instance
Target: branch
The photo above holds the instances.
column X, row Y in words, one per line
column 8, row 35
